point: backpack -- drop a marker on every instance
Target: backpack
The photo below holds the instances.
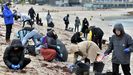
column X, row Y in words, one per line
column 31, row 50
column 64, row 19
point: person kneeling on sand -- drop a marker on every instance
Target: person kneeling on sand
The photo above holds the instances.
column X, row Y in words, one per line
column 22, row 32
column 14, row 56
column 50, row 42
column 25, row 19
column 34, row 35
column 88, row 50
column 76, row 38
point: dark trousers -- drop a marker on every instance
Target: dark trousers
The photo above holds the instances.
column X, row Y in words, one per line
column 125, row 68
column 32, row 17
column 76, row 27
column 29, row 21
column 85, row 35
column 26, row 62
column 49, row 29
column 39, row 21
column 8, row 31
column 98, row 41
column 66, row 26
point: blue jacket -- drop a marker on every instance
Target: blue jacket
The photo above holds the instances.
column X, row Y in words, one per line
column 8, row 16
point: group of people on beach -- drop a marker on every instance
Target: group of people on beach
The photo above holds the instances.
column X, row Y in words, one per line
column 45, row 44
column 120, row 44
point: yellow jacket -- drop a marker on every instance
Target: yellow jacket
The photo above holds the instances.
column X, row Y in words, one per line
column 89, row 36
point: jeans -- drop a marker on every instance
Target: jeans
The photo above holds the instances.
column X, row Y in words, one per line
column 66, row 27
column 77, row 27
column 31, row 35
column 22, row 34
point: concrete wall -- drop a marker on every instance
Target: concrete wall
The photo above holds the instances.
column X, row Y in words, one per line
column 73, row 1
column 52, row 2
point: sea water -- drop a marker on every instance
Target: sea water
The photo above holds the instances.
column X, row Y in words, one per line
column 127, row 24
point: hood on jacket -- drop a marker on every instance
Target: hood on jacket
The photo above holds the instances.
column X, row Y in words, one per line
column 51, row 34
column 16, row 43
column 6, row 7
column 78, row 33
column 119, row 27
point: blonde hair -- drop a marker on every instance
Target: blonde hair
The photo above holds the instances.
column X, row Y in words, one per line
column 80, row 33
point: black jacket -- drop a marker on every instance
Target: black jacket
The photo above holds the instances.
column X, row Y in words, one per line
column 12, row 56
column 97, row 33
column 31, row 12
column 51, row 40
column 66, row 19
column 76, row 38
column 85, row 26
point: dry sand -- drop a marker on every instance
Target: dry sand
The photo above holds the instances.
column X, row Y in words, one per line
column 40, row 67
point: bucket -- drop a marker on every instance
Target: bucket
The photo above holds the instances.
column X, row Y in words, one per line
column 98, row 73
column 98, row 66
column 107, row 73
column 82, row 69
column 110, row 73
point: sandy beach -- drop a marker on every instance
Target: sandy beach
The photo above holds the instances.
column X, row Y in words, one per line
column 40, row 67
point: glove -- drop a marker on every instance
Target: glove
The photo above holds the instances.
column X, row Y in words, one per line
column 72, row 67
column 18, row 66
column 58, row 47
column 14, row 67
column 127, row 50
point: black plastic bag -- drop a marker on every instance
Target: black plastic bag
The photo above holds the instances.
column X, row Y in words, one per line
column 31, row 50
column 98, row 66
column 82, row 68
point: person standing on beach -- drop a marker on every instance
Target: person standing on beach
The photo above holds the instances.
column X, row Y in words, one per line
column 31, row 13
column 39, row 20
column 8, row 19
column 122, row 45
column 48, row 17
column 66, row 20
column 50, row 23
column 85, row 27
column 77, row 23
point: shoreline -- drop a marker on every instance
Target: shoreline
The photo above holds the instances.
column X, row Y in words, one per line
column 63, row 35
